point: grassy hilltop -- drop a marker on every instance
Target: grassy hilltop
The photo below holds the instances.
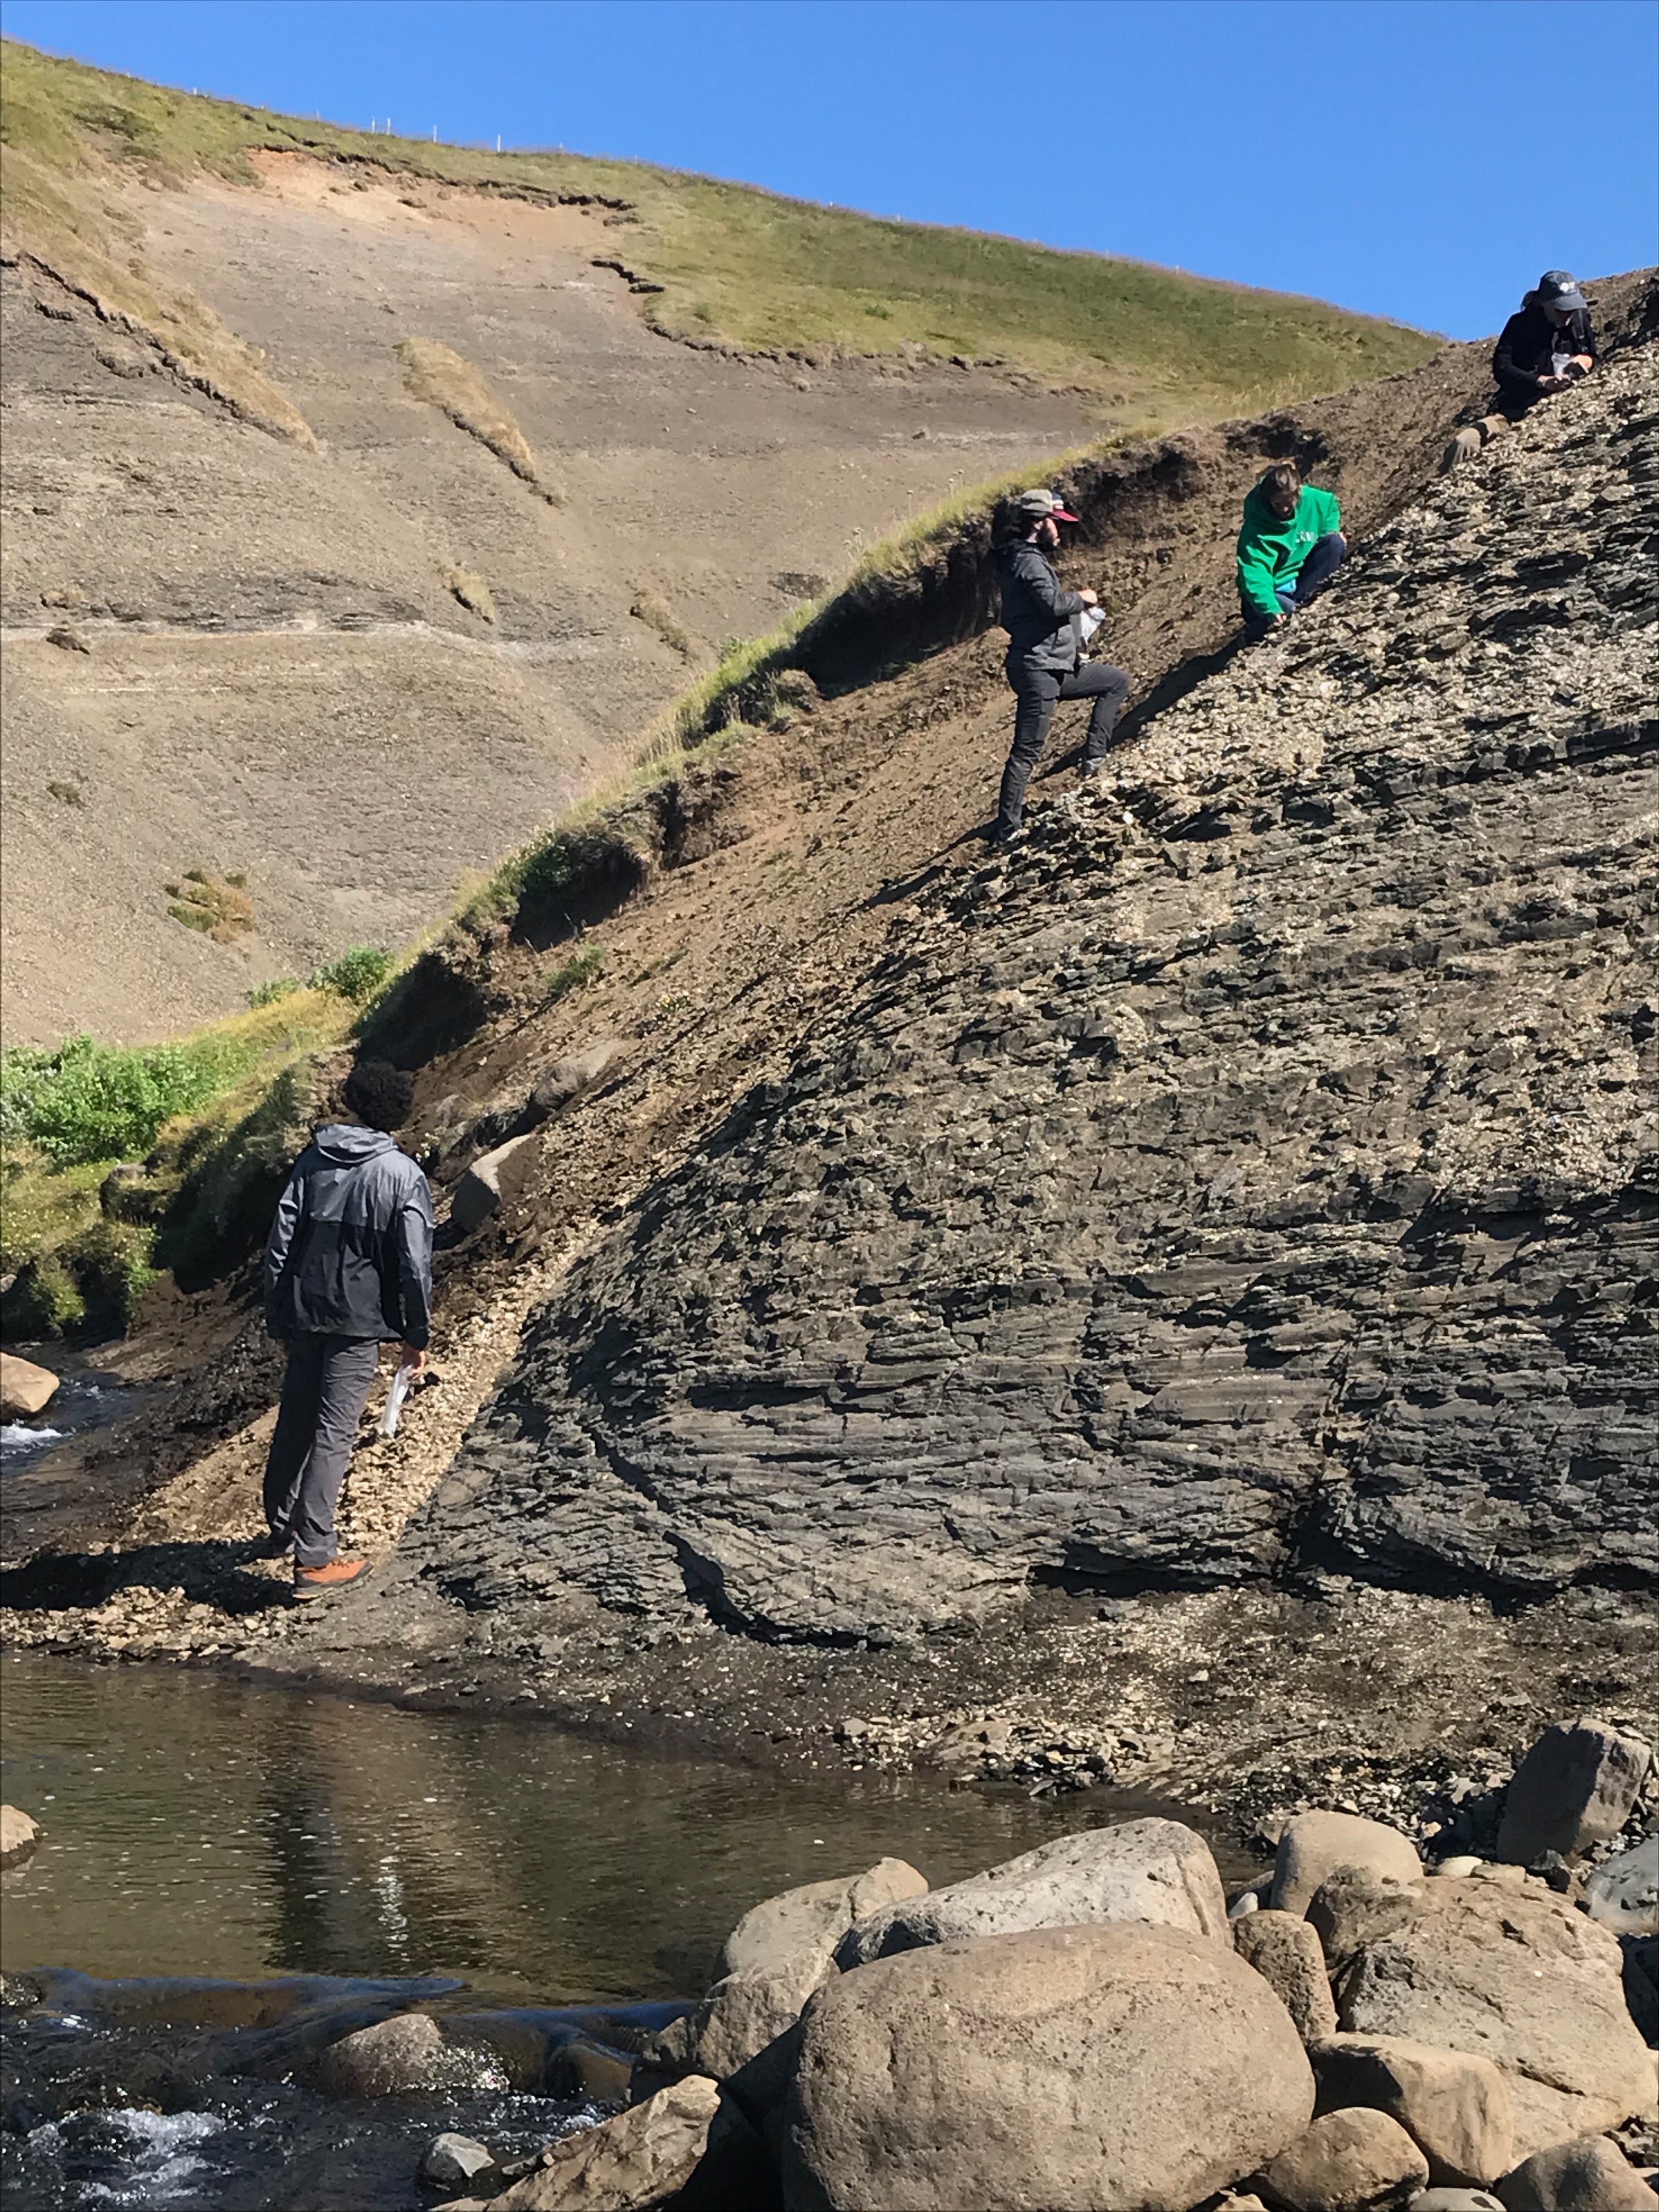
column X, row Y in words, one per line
column 735, row 264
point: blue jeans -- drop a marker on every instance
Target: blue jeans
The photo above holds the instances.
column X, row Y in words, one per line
column 1325, row 558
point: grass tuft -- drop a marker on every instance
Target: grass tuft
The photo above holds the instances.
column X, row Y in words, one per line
column 358, row 974
column 216, row 906
column 571, row 974
column 441, row 378
column 471, row 589
column 655, row 615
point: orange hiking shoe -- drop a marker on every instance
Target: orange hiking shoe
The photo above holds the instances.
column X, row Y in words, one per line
column 319, row 1582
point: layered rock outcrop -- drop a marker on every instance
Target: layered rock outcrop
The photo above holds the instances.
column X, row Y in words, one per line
column 1254, row 1170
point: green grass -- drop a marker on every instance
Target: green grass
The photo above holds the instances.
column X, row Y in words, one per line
column 1150, row 346
column 570, row 975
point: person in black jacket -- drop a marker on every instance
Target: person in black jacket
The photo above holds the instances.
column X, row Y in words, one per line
column 1545, row 347
column 348, row 1266
column 1046, row 627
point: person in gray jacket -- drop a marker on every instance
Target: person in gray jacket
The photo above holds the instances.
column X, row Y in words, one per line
column 347, row 1268
column 1045, row 664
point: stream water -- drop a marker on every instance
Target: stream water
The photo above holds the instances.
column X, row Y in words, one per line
column 197, row 1826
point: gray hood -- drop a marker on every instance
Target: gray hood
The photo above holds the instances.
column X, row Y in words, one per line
column 348, row 1143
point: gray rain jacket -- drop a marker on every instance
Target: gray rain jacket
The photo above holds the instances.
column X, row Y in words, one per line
column 350, row 1252
column 1039, row 614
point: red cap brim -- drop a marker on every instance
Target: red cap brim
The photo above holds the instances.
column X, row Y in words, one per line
column 1063, row 514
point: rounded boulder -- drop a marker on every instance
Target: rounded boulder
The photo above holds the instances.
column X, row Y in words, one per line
column 1119, row 2067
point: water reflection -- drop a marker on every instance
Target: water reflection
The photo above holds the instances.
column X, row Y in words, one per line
column 195, row 1826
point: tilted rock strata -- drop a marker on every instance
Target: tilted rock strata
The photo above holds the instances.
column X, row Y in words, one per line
column 1254, row 1170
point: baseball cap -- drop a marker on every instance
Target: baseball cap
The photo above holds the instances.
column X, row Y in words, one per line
column 1561, row 290
column 1043, row 507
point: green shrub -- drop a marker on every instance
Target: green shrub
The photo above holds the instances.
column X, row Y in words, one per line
column 570, row 975
column 274, row 988
column 95, row 1101
column 358, row 974
column 43, row 1301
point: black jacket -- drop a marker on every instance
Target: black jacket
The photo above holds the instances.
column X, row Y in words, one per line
column 1527, row 345
column 1040, row 615
column 350, row 1250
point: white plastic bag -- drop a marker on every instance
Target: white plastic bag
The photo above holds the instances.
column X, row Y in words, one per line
column 395, row 1396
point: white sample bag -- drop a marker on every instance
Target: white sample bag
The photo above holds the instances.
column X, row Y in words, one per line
column 395, row 1396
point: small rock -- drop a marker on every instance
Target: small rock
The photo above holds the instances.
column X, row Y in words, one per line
column 67, row 639
column 453, row 2162
column 1247, row 1902
column 1456, row 2108
column 1455, row 1869
column 1314, row 1844
column 412, row 2052
column 497, row 1176
column 1354, row 1907
column 1355, row 2160
column 1589, row 2175
column 1623, row 1894
column 19, row 1834
column 1574, row 1787
column 585, row 2070
column 1453, row 2200
column 636, row 2162
column 1285, row 1951
column 25, row 1388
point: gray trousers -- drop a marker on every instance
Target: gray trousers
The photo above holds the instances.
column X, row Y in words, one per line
column 324, row 1393
column 1038, row 691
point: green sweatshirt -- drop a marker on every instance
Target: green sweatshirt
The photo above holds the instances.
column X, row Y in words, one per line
column 1272, row 548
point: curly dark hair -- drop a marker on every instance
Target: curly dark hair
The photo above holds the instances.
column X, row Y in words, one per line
column 379, row 1095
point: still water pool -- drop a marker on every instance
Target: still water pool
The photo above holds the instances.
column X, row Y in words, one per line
column 197, row 1825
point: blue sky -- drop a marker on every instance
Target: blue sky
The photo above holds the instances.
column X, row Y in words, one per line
column 1423, row 159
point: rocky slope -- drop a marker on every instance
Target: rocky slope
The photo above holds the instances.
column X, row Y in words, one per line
column 1253, row 1171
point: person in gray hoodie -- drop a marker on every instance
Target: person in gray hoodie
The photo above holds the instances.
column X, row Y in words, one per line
column 347, row 1268
column 1046, row 627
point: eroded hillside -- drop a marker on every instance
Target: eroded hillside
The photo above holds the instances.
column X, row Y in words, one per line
column 357, row 519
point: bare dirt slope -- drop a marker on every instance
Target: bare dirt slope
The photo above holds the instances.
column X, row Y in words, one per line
column 827, row 876
column 279, row 677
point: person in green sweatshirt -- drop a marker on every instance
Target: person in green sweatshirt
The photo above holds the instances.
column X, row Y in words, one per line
column 1289, row 547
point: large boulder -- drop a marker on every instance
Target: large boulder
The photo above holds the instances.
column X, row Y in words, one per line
column 1590, row 2175
column 1455, row 2107
column 1151, row 1870
column 1285, row 1951
column 1349, row 2161
column 25, row 1388
column 1574, row 1787
column 1511, row 1973
column 812, row 1920
column 412, row 2053
column 646, row 2158
column 1313, row 1846
column 567, row 1078
column 1114, row 2068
